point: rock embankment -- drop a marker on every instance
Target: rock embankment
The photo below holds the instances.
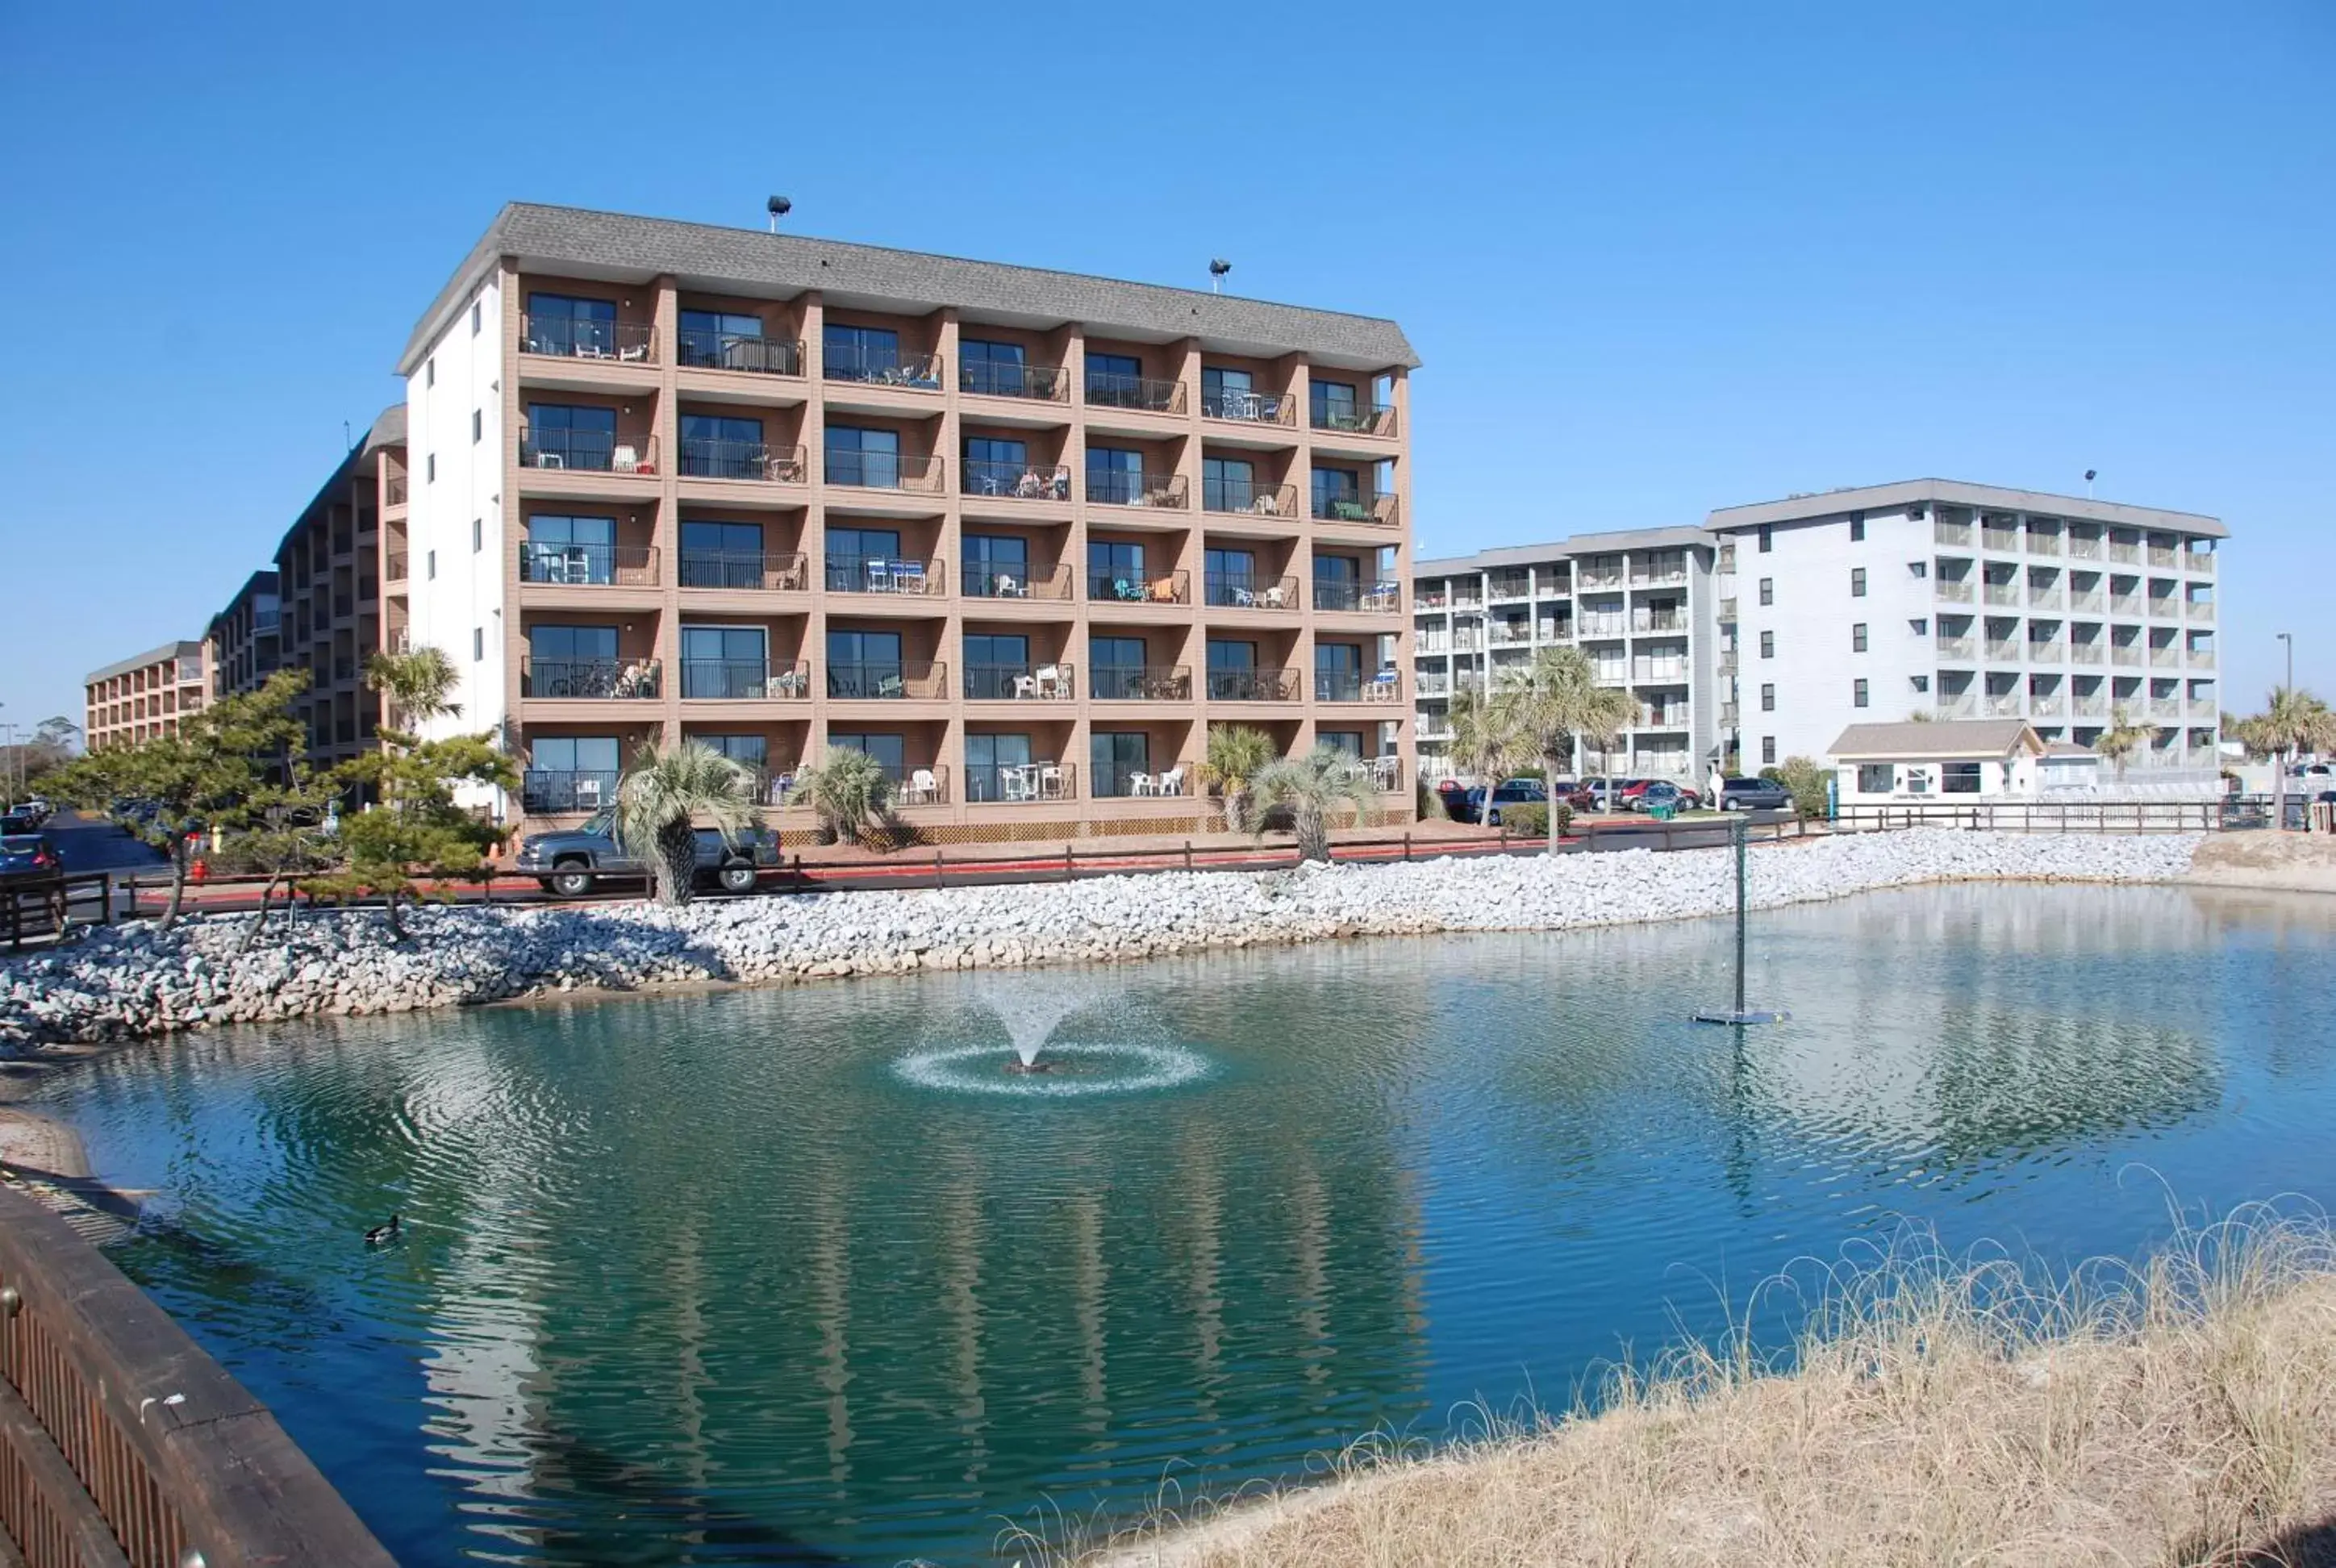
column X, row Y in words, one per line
column 127, row 982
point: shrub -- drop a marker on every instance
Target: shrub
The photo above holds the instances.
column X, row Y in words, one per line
column 1526, row 820
column 1564, row 810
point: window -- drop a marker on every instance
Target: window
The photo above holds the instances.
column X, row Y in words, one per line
column 860, row 352
column 1338, row 583
column 995, row 564
column 568, row 645
column 1857, row 638
column 863, row 664
column 885, row 749
column 871, row 458
column 713, row 338
column 1227, row 484
column 723, row 661
column 1919, row 567
column 992, row 661
column 852, row 552
column 478, row 425
column 996, row 764
column 1116, row 757
column 1767, row 645
column 1920, row 624
column 995, row 369
column 1768, row 539
column 1922, row 682
column 717, row 446
column 1338, row 493
column 1114, row 475
column 1857, row 693
column 1768, row 699
column 477, row 318
column 430, row 566
column 563, row 324
column 1857, row 582
column 748, row 751
column 1857, row 529
column 565, row 436
column 1116, row 667
column 430, row 372
column 570, row 773
column 1876, row 778
column 1337, row 672
column 1228, row 576
column 1768, row 751
column 1227, row 394
column 1959, row 778
column 430, row 469
column 721, row 554
column 1767, row 591
column 576, row 549
column 478, row 535
column 1233, row 675
column 1333, row 405
column 478, row 644
column 1115, row 380
column 1115, row 571
column 995, row 466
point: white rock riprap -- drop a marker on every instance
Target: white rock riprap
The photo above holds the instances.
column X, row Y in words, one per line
column 131, row 981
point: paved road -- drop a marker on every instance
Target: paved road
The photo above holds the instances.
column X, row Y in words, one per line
column 91, row 843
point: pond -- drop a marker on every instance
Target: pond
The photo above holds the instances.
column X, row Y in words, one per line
column 806, row 1276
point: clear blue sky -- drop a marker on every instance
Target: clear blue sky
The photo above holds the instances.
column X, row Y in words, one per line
column 1655, row 261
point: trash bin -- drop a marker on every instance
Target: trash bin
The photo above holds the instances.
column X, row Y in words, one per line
column 1662, row 811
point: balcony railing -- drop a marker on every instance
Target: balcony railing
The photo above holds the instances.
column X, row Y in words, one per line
column 1243, row 590
column 2043, row 542
column 1436, row 684
column 2002, row 651
column 1140, row 683
column 702, row 457
column 1019, row 784
column 1727, row 715
column 2006, row 594
column 1508, row 633
column 2043, row 598
column 2126, row 604
column 2204, row 707
column 1017, row 480
column 2162, row 557
column 1366, row 506
column 1516, row 587
column 1249, row 496
column 1020, row 683
column 1645, row 625
column 2165, row 657
column 575, row 338
column 983, row 581
column 921, row 784
column 1118, row 487
column 884, row 471
column 705, row 349
column 2165, row 607
column 1354, row 419
column 2090, row 706
column 2044, row 705
column 743, row 681
column 1727, row 608
column 886, row 574
column 2085, row 652
column 2084, row 547
column 2202, row 609
column 993, row 378
column 2002, row 705
column 2089, row 602
column 1727, row 662
column 1252, row 686
column 1108, row 389
column 2201, row 561
column 1117, row 588
column 881, row 366
column 1958, row 535
column 1601, row 625
column 2007, row 539
column 545, row 790
column 1467, row 598
column 2201, row 659
column 1129, row 782
column 745, row 569
column 1955, row 589
column 395, row 495
column 1353, row 686
column 2130, row 554
column 2045, row 652
column 888, row 680
column 1383, row 596
column 1250, row 407
column 2125, row 653
column 394, row 568
column 1956, row 647
column 581, row 565
column 588, row 450
column 593, row 680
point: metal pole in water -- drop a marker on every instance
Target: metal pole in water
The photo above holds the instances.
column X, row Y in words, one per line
column 1741, row 833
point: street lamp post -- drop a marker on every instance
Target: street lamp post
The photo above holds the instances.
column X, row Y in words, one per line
column 2289, row 638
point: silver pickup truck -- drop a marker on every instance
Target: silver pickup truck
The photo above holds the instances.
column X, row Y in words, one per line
column 571, row 862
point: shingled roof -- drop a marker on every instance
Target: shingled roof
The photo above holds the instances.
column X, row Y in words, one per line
column 616, row 247
column 1984, row 738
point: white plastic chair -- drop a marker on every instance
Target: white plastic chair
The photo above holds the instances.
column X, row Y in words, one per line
column 879, row 576
column 1050, row 781
column 1139, row 784
column 626, row 460
column 922, row 787
column 1171, row 783
column 1050, row 680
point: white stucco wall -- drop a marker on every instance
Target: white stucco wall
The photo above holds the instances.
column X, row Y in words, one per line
column 456, row 586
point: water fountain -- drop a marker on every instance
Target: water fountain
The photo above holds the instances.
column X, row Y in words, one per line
column 1034, row 1008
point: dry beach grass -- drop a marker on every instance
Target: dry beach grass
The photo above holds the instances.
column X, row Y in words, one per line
column 2180, row 1413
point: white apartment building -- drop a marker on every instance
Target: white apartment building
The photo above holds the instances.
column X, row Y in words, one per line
column 1931, row 597
column 1642, row 604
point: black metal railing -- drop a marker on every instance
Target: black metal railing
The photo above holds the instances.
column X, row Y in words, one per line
column 617, row 678
column 743, row 681
column 704, row 348
column 987, row 581
column 988, row 378
column 1109, row 389
column 1123, row 588
column 590, row 450
column 1140, row 683
column 1052, row 682
column 1246, row 591
column 881, row 366
column 888, row 679
column 705, row 457
column 884, row 471
column 1015, row 784
column 1353, row 686
column 1377, row 508
column 748, row 569
column 1252, row 686
column 581, row 565
column 1342, row 594
column 1121, row 783
column 1251, row 407
column 1354, row 419
column 579, row 338
column 546, row 790
column 1118, row 487
column 884, row 574
column 1020, row 481
column 1255, row 497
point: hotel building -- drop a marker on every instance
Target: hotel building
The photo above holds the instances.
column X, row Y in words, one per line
column 1954, row 600
column 244, row 644
column 144, row 698
column 1022, row 536
column 1640, row 604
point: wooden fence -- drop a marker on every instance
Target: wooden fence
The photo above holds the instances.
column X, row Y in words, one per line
column 2044, row 816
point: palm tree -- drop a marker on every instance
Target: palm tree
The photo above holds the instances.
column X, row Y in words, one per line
column 1311, row 786
column 2123, row 738
column 1539, row 711
column 659, row 801
column 847, row 790
column 2293, row 720
column 420, row 685
column 1481, row 741
column 1237, row 755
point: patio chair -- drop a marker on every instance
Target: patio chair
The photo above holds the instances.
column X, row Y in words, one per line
column 588, row 794
column 1004, row 587
column 922, row 787
column 891, row 686
column 1018, row 781
column 879, row 576
column 1026, row 685
column 1162, row 590
column 1270, row 598
column 626, row 459
column 1050, row 681
column 908, row 577
column 1139, row 784
column 1050, row 781
column 1243, row 598
column 1171, row 783
column 1121, row 588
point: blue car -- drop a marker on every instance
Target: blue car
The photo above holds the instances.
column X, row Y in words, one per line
column 1472, row 807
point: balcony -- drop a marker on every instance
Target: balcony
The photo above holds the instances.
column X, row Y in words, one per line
column 2089, row 602
column 1119, row 487
column 1383, row 596
column 1594, row 625
column 885, row 470
column 1434, row 685
column 1353, row 419
column 575, row 338
column 2002, row 538
column 1958, row 648
column 2046, row 704
column 1135, row 783
column 582, row 565
column 886, row 574
column 1956, row 534
column 744, row 571
column 2165, row 607
column 2090, row 706
column 1376, row 508
column 587, row 452
column 2163, row 557
column 2165, row 657
column 2204, row 707
column 1659, row 672
column 2085, row 652
column 1168, row 588
column 2201, row 561
column 2129, row 554
column 2002, row 651
column 2044, row 652
column 395, row 491
column 1353, row 686
column 394, row 568
column 1954, row 590
column 983, row 581
column 590, row 679
column 1020, row 683
column 1515, row 587
column 1242, row 495
column 1016, row 481
column 703, row 457
column 1509, row 633
column 2043, row 598
column 1727, row 662
column 1727, row 715
column 2201, row 659
column 743, row 681
column 891, row 680
column 1020, row 784
column 1469, row 597
column 2201, row 610
column 880, row 364
column 1032, row 382
column 2043, row 543
column 709, row 348
column 2002, row 705
column 1244, row 407
column 928, row 785
column 2125, row 604
column 1727, row 608
column 1645, row 624
column 1467, row 642
column 1109, row 390
column 2003, row 594
column 1660, row 576
column 1252, row 686
column 544, row 790
column 1243, row 591
column 2125, row 654
column 1141, row 683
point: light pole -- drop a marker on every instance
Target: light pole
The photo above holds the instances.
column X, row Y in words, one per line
column 2289, row 638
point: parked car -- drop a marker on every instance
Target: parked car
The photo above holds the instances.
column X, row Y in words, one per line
column 25, row 854
column 18, row 820
column 1454, row 796
column 1511, row 792
column 1663, row 792
column 570, row 864
column 1754, row 795
column 1580, row 797
column 1627, row 793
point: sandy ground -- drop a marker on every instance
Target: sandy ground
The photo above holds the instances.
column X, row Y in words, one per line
column 2274, row 862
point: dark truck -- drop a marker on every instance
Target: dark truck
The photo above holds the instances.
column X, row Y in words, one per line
column 569, row 864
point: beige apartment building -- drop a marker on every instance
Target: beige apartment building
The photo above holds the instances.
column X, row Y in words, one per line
column 145, row 697
column 1022, row 536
